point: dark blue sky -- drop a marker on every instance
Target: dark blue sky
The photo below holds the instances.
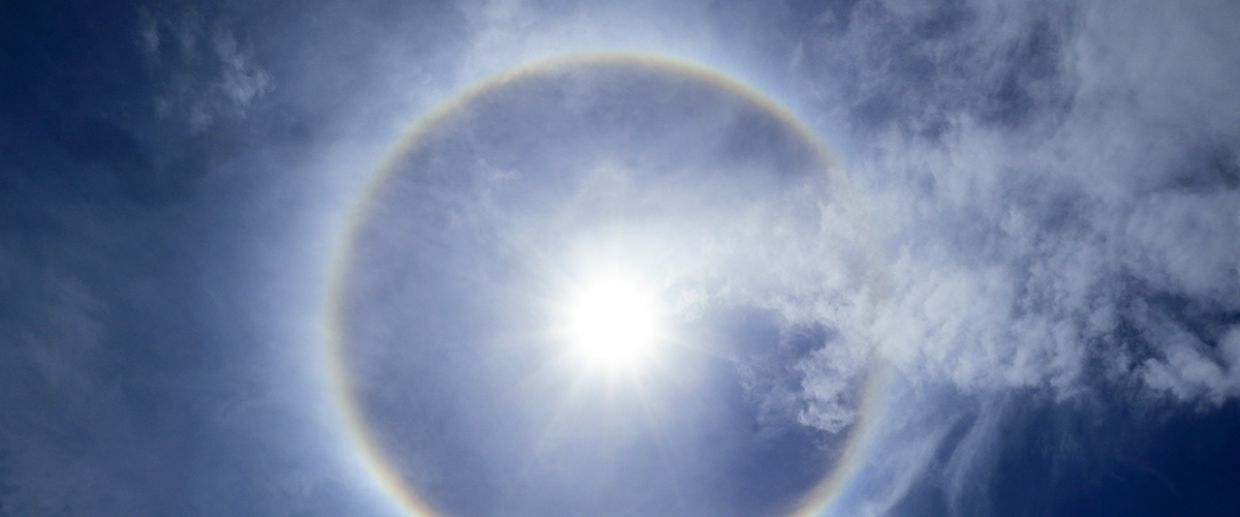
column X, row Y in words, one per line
column 1033, row 256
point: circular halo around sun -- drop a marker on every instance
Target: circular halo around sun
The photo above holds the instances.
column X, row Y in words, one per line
column 532, row 312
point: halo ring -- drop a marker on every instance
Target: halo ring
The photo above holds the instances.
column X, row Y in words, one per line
column 340, row 382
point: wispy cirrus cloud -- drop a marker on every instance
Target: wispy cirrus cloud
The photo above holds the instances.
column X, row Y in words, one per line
column 201, row 69
column 1056, row 192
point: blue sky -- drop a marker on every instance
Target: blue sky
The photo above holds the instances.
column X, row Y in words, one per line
column 1011, row 288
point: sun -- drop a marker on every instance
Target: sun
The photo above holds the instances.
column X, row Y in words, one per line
column 611, row 321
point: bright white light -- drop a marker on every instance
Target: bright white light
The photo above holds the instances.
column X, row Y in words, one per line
column 612, row 321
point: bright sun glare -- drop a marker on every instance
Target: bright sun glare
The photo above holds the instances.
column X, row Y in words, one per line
column 612, row 321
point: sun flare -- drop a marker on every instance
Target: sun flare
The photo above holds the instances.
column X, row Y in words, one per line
column 612, row 321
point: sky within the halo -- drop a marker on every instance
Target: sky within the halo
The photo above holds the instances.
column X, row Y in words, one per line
column 1054, row 190
column 495, row 214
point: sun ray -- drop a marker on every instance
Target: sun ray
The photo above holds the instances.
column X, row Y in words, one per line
column 611, row 322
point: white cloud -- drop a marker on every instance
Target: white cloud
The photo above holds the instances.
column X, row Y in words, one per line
column 505, row 33
column 1087, row 241
column 200, row 82
column 241, row 80
column 1015, row 247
